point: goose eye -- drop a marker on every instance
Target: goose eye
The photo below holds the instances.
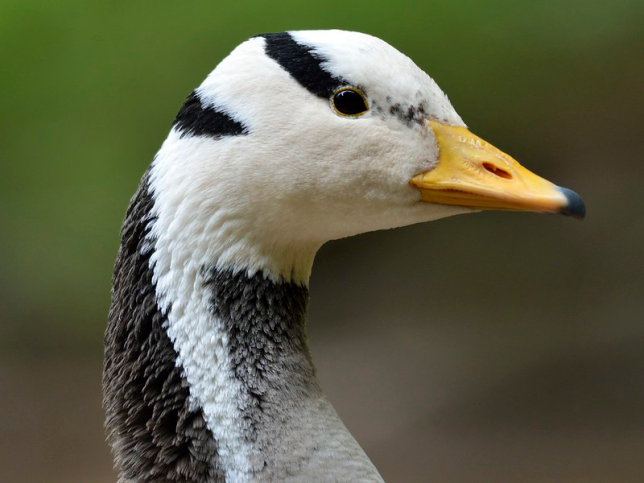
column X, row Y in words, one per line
column 349, row 102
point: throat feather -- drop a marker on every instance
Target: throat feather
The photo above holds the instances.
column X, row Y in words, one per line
column 264, row 326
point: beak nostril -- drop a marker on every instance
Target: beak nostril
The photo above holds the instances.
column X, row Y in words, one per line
column 497, row 171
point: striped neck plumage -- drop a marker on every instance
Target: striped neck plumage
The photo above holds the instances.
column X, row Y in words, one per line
column 208, row 375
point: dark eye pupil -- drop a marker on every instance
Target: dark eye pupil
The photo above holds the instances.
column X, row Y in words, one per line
column 349, row 102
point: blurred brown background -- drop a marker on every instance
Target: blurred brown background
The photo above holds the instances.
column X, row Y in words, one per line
column 485, row 348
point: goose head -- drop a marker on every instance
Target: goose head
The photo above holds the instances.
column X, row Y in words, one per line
column 299, row 138
column 293, row 140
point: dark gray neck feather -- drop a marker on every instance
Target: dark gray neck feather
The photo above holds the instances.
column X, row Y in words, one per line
column 265, row 324
column 155, row 432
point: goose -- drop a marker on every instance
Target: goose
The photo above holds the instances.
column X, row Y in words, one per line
column 293, row 140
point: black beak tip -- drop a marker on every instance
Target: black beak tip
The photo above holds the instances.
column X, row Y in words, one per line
column 576, row 206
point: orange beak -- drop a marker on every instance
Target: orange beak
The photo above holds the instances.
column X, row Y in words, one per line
column 472, row 173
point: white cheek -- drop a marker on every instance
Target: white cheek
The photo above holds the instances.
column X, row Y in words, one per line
column 357, row 176
column 385, row 155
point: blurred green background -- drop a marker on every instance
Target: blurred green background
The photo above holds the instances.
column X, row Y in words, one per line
column 489, row 348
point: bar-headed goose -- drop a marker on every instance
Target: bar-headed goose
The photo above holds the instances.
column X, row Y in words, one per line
column 293, row 140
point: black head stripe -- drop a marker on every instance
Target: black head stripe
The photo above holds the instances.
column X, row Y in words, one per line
column 302, row 63
column 195, row 119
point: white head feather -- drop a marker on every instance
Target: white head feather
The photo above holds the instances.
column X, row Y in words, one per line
column 302, row 175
